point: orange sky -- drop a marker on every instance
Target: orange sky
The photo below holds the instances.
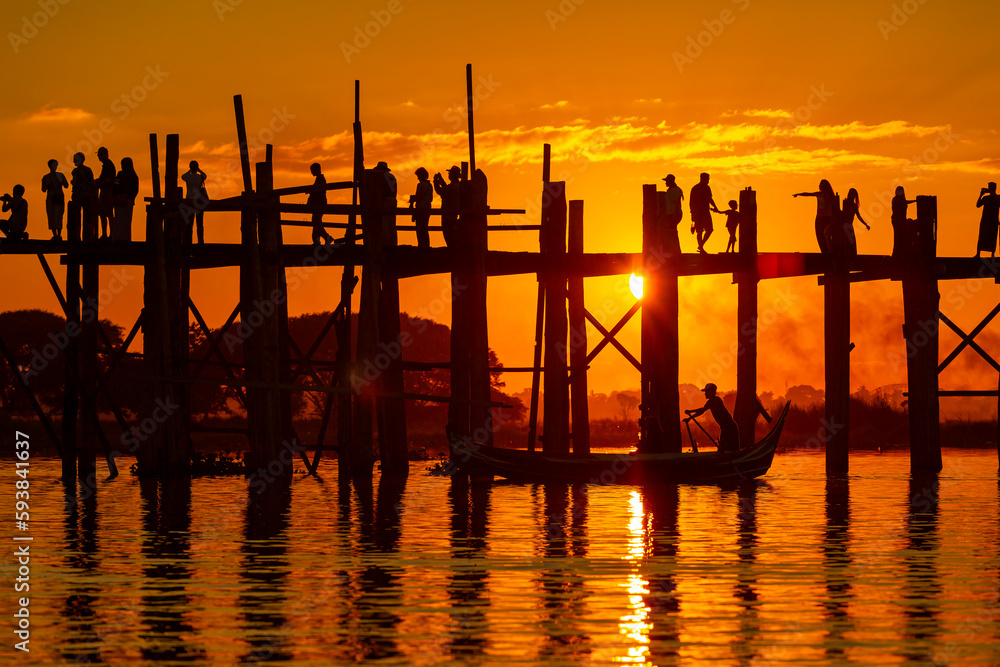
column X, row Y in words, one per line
column 774, row 95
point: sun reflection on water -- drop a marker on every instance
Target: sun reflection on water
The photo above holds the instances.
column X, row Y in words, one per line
column 634, row 623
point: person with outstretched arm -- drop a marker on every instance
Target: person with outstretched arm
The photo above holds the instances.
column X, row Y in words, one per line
column 729, row 436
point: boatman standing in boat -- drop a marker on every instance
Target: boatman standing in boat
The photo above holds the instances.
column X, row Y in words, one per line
column 729, row 436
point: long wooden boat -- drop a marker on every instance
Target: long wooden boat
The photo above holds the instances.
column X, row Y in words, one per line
column 709, row 467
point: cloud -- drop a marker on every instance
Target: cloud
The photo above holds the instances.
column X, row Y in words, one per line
column 759, row 113
column 558, row 105
column 748, row 147
column 49, row 114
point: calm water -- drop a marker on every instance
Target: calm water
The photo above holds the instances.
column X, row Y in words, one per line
column 794, row 569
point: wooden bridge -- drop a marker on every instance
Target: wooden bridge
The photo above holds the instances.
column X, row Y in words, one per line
column 275, row 367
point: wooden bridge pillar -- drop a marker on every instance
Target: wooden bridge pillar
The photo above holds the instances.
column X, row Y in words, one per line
column 746, row 409
column 480, row 413
column 920, row 329
column 555, row 417
column 71, row 394
column 270, row 309
column 660, row 424
column 580, row 434
column 837, row 364
column 391, row 410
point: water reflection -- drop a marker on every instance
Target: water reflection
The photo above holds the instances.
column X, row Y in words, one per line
column 166, row 552
column 469, row 578
column 380, row 582
column 264, row 574
column 78, row 613
column 837, row 561
column 745, row 589
column 563, row 593
column 660, row 504
column 921, row 581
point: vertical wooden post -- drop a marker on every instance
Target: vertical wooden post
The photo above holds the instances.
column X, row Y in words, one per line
column 469, row 108
column 391, row 409
column 269, row 308
column 345, row 406
column 459, row 410
column 480, row 413
column 71, row 394
column 152, row 330
column 362, row 454
column 555, row 420
column 536, row 363
column 746, row 315
column 660, row 424
column 176, row 456
column 578, row 338
column 837, row 364
column 920, row 306
column 90, row 320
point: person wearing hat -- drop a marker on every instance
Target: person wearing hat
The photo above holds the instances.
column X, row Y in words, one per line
column 106, row 188
column 421, row 201
column 451, row 203
column 671, row 212
column 729, row 436
column 390, row 182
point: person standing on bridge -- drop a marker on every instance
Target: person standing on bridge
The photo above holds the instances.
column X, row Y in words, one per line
column 729, row 433
column 81, row 223
column 702, row 206
column 671, row 213
column 451, row 203
column 126, row 190
column 106, row 188
column 420, row 202
column 55, row 201
column 196, row 200
column 900, row 221
column 826, row 202
column 989, row 201
column 850, row 211
column 317, row 199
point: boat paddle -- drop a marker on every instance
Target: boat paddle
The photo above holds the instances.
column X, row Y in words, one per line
column 694, row 445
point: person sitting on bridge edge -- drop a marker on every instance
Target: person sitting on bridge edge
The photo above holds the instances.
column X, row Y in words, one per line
column 729, row 436
column 13, row 227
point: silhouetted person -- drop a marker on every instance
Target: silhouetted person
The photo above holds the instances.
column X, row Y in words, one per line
column 420, row 201
column 106, row 190
column 317, row 198
column 732, row 222
column 83, row 198
column 451, row 203
column 126, row 190
column 197, row 199
column 672, row 212
column 826, row 202
column 53, row 184
column 702, row 206
column 14, row 226
column 729, row 435
column 899, row 221
column 851, row 210
column 989, row 201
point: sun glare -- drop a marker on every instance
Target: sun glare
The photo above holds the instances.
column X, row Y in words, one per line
column 635, row 284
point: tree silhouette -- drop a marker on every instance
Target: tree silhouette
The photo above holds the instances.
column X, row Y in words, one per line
column 626, row 404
